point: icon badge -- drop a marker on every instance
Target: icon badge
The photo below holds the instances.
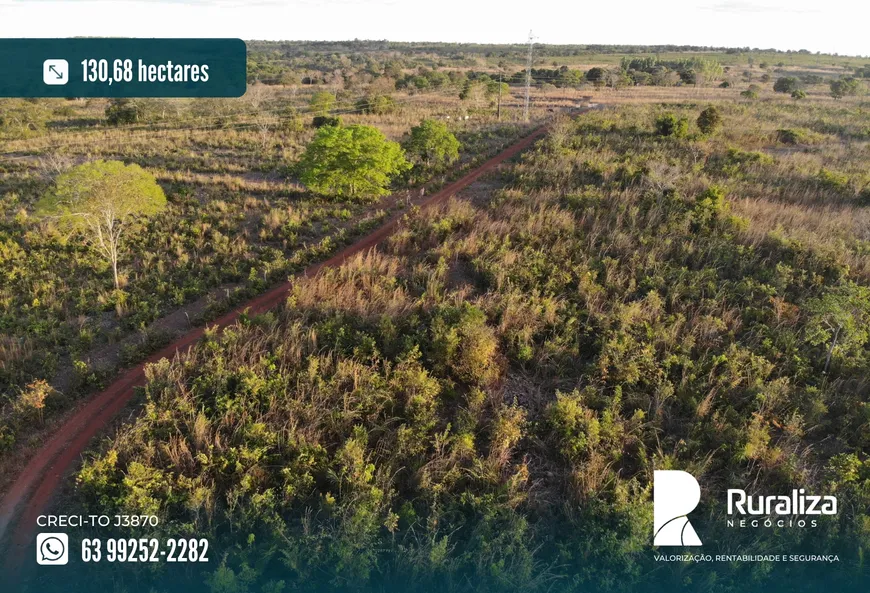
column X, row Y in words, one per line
column 55, row 72
column 52, row 549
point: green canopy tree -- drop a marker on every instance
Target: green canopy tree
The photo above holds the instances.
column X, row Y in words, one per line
column 431, row 143
column 844, row 87
column 102, row 200
column 596, row 76
column 353, row 161
column 786, row 84
column 322, row 102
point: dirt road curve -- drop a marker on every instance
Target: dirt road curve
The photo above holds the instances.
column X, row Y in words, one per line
column 31, row 492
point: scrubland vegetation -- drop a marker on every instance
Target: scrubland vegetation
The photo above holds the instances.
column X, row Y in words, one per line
column 679, row 282
column 243, row 210
column 480, row 404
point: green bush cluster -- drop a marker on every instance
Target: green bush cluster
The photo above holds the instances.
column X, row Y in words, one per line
column 672, row 126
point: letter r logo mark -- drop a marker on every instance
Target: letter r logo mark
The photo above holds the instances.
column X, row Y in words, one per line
column 675, row 495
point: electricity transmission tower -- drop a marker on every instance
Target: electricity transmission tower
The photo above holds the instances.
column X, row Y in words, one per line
column 528, row 76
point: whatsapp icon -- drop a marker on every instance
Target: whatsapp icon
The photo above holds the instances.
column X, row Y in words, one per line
column 52, row 549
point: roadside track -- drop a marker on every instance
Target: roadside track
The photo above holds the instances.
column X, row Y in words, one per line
column 32, row 491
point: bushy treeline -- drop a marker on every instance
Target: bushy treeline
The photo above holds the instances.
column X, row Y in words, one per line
column 481, row 405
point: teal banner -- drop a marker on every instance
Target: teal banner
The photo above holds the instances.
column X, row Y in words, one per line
column 122, row 67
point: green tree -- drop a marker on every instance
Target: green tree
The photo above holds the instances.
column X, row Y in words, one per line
column 475, row 92
column 671, row 125
column 431, row 143
column 492, row 88
column 710, row 120
column 786, row 84
column 102, row 200
column 596, row 76
column 122, row 111
column 322, row 102
column 708, row 71
column 376, row 104
column 354, row 161
column 798, row 94
column 844, row 87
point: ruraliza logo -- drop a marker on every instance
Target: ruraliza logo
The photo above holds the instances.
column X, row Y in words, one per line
column 675, row 495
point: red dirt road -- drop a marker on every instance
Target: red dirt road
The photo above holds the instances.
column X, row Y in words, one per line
column 30, row 495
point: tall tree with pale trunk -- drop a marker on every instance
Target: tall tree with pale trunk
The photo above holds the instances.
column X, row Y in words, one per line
column 101, row 201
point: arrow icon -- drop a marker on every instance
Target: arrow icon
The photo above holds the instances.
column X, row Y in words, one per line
column 55, row 72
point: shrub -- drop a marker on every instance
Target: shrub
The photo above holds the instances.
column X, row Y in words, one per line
column 672, row 126
column 596, row 76
column 122, row 111
column 465, row 344
column 34, row 395
column 20, row 118
column 798, row 94
column 790, row 136
column 290, row 121
column 321, row 121
column 786, row 84
column 709, row 205
column 749, row 94
column 710, row 120
column 376, row 104
column 844, row 87
column 833, row 180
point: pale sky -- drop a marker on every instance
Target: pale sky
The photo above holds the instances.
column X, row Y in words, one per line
column 830, row 26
